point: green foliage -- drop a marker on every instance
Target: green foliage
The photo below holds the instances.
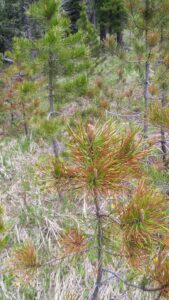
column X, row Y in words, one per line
column 159, row 177
column 45, row 11
column 31, row 216
column 159, row 116
column 27, row 87
column 4, row 238
column 72, row 9
column 52, row 57
column 90, row 33
column 112, row 14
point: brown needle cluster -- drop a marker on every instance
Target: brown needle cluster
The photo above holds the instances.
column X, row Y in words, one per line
column 72, row 242
column 24, row 262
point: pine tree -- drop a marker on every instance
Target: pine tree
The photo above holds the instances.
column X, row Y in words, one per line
column 146, row 18
column 19, row 96
column 52, row 56
column 10, row 23
column 65, row 72
column 101, row 163
column 112, row 17
column 89, row 31
column 72, row 9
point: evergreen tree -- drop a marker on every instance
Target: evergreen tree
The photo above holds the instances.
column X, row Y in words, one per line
column 89, row 32
column 112, row 18
column 58, row 54
column 10, row 22
column 72, row 9
column 52, row 57
column 146, row 18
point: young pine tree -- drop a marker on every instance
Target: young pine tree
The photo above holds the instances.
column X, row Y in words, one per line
column 59, row 55
column 101, row 165
column 146, row 18
column 122, row 222
column 89, row 31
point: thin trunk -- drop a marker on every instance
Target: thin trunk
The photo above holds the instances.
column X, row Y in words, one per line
column 25, row 125
column 50, row 83
column 12, row 118
column 163, row 139
column 26, row 128
column 95, row 294
column 91, row 12
column 12, row 115
column 110, row 30
column 26, row 24
column 51, row 99
column 163, row 104
column 147, row 72
column 55, row 147
column 102, row 32
column 94, row 15
column 120, row 42
column 147, row 75
column 51, row 106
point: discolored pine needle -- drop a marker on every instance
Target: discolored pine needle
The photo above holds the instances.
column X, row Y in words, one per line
column 100, row 159
column 72, row 242
column 144, row 222
column 24, row 262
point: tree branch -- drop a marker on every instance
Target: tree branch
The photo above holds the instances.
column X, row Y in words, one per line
column 144, row 289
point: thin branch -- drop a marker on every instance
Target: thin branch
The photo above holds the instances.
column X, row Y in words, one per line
column 7, row 60
column 144, row 289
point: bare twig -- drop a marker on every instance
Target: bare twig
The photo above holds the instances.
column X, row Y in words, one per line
column 144, row 289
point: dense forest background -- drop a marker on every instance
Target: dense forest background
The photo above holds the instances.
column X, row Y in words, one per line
column 84, row 120
column 107, row 17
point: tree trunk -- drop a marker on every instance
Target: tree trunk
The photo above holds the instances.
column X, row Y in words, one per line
column 95, row 295
column 163, row 104
column 89, row 9
column 147, row 71
column 51, row 106
column 12, row 114
column 50, row 83
column 102, row 32
column 51, row 99
column 163, row 139
column 147, row 75
column 25, row 125
column 25, row 19
column 94, row 14
column 55, row 147
column 26, row 128
column 110, row 30
column 120, row 42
